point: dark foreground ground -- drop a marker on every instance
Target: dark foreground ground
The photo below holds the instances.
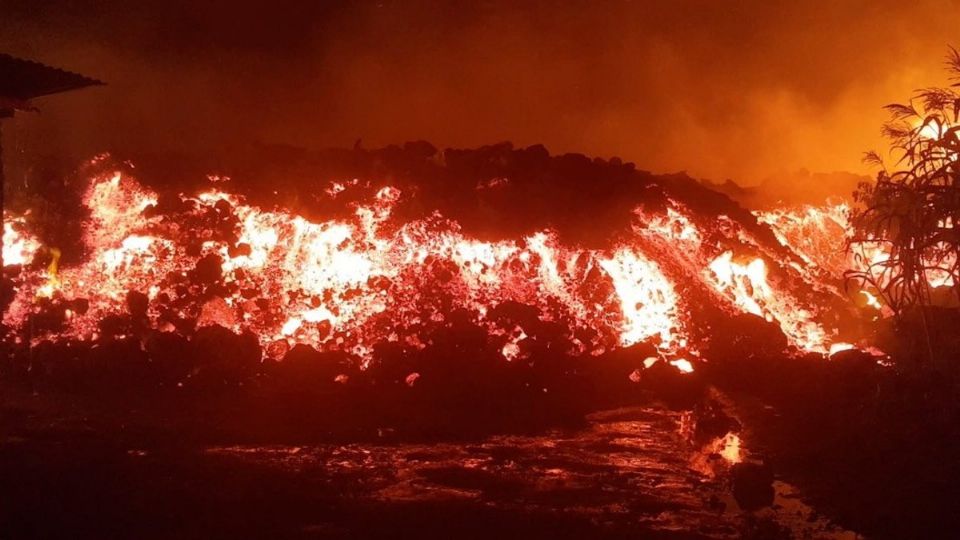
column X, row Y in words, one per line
column 875, row 448
column 568, row 450
column 68, row 471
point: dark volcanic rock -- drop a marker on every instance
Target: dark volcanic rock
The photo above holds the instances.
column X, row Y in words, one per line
column 224, row 357
column 137, row 303
column 752, row 485
column 209, row 270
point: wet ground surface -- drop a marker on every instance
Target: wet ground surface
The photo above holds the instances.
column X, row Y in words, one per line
column 626, row 471
column 630, row 473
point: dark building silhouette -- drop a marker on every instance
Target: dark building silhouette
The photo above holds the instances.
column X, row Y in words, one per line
column 23, row 80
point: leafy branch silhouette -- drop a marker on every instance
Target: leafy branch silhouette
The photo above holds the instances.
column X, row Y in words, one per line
column 912, row 211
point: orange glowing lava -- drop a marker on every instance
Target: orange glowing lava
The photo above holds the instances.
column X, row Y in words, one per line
column 349, row 284
column 819, row 235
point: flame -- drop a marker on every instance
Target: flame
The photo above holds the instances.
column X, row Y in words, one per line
column 53, row 279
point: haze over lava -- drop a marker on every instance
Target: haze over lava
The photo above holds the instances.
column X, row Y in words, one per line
column 723, row 90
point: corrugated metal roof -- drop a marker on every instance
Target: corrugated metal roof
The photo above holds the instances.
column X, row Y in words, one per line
column 21, row 80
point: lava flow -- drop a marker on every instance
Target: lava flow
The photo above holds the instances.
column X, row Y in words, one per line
column 819, row 235
column 350, row 284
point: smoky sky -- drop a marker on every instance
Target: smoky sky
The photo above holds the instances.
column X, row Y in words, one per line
column 721, row 89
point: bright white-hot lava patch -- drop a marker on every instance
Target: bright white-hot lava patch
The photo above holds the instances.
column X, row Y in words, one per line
column 19, row 247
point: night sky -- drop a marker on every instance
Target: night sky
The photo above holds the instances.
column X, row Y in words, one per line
column 721, row 89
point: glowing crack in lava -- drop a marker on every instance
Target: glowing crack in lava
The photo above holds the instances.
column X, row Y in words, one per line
column 352, row 283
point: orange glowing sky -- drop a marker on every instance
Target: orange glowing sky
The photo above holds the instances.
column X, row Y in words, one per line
column 740, row 90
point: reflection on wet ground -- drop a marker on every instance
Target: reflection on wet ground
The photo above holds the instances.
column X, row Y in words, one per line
column 630, row 473
column 631, row 469
column 629, row 466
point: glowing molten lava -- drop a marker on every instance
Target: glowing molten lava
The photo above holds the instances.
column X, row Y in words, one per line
column 343, row 285
column 351, row 284
column 19, row 247
column 819, row 235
